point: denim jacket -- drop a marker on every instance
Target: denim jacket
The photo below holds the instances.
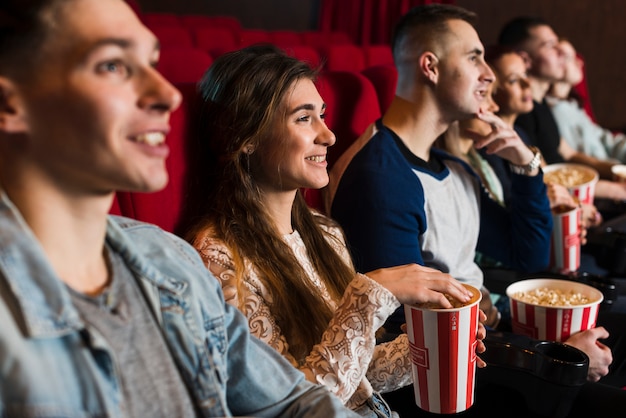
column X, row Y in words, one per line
column 54, row 365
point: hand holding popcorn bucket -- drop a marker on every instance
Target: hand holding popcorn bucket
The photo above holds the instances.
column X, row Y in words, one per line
column 442, row 345
column 552, row 309
column 579, row 179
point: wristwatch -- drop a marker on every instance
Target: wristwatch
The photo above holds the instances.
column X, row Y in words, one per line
column 531, row 166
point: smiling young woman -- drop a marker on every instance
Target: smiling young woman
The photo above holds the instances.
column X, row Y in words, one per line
column 280, row 262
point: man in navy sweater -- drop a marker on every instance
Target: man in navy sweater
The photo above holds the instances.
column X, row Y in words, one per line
column 401, row 201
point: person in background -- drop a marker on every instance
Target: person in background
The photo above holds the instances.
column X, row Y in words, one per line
column 509, row 96
column 575, row 125
column 399, row 200
column 433, row 200
column 280, row 262
column 536, row 41
column 106, row 316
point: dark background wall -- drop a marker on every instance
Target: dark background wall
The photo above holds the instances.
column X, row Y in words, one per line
column 596, row 28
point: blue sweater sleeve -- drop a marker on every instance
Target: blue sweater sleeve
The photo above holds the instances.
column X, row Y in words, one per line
column 518, row 236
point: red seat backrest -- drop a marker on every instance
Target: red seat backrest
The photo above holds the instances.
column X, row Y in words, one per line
column 304, row 53
column 352, row 105
column 249, row 37
column 384, row 79
column 173, row 36
column 378, row 55
column 184, row 65
column 321, row 40
column 195, row 21
column 285, row 38
column 213, row 40
column 344, row 57
column 228, row 22
column 115, row 207
column 160, row 19
column 583, row 92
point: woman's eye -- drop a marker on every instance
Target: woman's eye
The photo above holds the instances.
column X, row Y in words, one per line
column 304, row 118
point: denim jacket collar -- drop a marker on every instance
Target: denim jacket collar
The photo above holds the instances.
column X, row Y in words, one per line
column 42, row 298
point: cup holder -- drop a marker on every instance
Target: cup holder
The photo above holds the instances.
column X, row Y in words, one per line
column 548, row 374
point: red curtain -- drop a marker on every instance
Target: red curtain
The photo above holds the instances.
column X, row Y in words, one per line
column 366, row 21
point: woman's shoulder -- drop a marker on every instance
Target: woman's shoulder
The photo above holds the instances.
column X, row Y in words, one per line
column 327, row 224
column 208, row 244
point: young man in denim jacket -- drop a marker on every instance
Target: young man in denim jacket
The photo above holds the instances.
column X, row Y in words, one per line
column 107, row 316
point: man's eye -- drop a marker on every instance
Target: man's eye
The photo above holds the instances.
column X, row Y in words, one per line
column 113, row 67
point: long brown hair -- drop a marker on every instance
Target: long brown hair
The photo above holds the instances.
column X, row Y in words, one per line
column 242, row 95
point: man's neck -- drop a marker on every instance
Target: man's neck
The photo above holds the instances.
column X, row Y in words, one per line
column 416, row 123
column 539, row 88
column 71, row 231
column 560, row 90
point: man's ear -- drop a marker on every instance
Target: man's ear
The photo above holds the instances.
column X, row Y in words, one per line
column 12, row 111
column 428, row 63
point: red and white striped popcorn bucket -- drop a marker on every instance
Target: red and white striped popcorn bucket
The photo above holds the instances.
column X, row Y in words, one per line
column 565, row 241
column 549, row 317
column 443, row 352
column 580, row 180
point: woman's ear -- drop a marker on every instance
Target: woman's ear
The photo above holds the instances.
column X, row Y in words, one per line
column 12, row 111
column 428, row 63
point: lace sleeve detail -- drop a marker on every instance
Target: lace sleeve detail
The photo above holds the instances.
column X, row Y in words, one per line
column 390, row 368
column 218, row 259
column 250, row 297
column 341, row 359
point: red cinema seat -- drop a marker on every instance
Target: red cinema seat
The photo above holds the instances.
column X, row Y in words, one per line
column 314, row 198
column 173, row 36
column 215, row 41
column 351, row 106
column 160, row 19
column 305, row 53
column 164, row 208
column 583, row 92
column 378, row 55
column 195, row 21
column 322, row 40
column 384, row 79
column 227, row 22
column 344, row 57
column 285, row 38
column 340, row 38
column 115, row 207
column 249, row 37
column 184, row 65
column 315, row 39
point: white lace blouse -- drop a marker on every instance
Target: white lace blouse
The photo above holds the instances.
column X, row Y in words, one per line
column 347, row 359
